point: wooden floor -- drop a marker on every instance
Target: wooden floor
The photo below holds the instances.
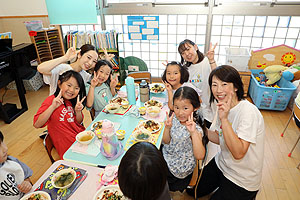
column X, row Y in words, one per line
column 281, row 178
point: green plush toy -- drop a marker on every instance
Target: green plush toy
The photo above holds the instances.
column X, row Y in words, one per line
column 273, row 73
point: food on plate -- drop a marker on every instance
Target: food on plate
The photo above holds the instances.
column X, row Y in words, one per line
column 142, row 136
column 150, row 126
column 120, row 134
column 153, row 102
column 109, row 195
column 97, row 125
column 118, row 100
column 153, row 111
column 37, row 196
column 112, row 107
column 64, row 179
column 157, row 88
column 142, row 110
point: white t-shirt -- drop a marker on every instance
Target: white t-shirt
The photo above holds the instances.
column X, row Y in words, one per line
column 199, row 74
column 52, row 79
column 248, row 123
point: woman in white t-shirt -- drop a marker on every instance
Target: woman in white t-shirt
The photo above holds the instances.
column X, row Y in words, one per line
column 236, row 171
column 199, row 67
column 87, row 57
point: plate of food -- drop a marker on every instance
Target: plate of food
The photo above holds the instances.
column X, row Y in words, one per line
column 157, row 88
column 97, row 125
column 37, row 195
column 150, row 126
column 63, row 178
column 118, row 100
column 153, row 102
column 141, row 136
column 110, row 192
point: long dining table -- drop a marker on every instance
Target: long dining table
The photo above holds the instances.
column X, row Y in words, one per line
column 127, row 122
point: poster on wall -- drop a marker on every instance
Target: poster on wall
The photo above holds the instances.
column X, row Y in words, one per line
column 143, row 27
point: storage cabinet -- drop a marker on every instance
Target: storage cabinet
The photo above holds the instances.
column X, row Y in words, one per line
column 245, row 76
column 48, row 44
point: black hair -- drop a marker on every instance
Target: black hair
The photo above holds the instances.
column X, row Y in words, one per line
column 66, row 76
column 184, row 73
column 182, row 48
column 191, row 95
column 227, row 74
column 101, row 63
column 86, row 47
column 1, row 137
column 142, row 172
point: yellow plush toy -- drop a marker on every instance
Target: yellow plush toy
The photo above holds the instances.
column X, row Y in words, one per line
column 273, row 73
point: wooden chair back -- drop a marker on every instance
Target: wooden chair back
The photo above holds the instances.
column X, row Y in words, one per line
column 142, row 75
column 49, row 146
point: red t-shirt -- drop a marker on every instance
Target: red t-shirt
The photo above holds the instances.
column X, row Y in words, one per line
column 62, row 125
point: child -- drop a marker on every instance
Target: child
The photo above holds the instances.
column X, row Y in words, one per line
column 102, row 87
column 199, row 67
column 174, row 77
column 14, row 175
column 143, row 173
column 182, row 138
column 87, row 57
column 62, row 112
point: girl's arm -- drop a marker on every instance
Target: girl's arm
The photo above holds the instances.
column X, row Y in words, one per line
column 210, row 55
column 25, row 186
column 170, row 100
column 113, row 84
column 213, row 136
column 90, row 97
column 168, row 124
column 46, row 67
column 78, row 110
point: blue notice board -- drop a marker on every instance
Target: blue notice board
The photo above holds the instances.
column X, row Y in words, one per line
column 143, row 27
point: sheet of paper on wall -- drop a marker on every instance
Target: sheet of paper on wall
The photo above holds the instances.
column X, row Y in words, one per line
column 138, row 23
column 152, row 37
column 136, row 36
column 134, row 29
column 149, row 18
column 152, row 24
column 147, row 31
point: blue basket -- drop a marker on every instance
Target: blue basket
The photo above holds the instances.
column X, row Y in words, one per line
column 270, row 98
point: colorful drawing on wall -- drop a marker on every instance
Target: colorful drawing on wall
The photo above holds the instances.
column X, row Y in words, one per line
column 143, row 27
column 288, row 58
column 261, row 66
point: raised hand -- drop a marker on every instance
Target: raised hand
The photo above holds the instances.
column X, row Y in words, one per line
column 165, row 63
column 168, row 122
column 224, row 107
column 57, row 101
column 79, row 106
column 211, row 52
column 190, row 124
column 106, row 55
column 71, row 53
column 95, row 81
column 168, row 86
column 114, row 81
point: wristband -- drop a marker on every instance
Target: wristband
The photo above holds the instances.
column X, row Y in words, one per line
column 212, row 62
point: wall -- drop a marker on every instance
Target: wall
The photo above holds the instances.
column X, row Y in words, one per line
column 15, row 12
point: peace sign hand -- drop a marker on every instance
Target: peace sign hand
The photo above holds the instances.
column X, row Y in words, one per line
column 57, row 101
column 168, row 122
column 224, row 107
column 95, row 81
column 190, row 124
column 79, row 106
column 114, row 81
column 211, row 52
column 71, row 53
column 168, row 86
column 107, row 56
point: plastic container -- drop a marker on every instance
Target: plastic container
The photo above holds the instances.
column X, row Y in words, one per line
column 238, row 58
column 144, row 91
column 130, row 89
column 270, row 98
column 34, row 25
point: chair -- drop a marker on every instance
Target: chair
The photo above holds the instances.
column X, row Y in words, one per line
column 198, row 173
column 296, row 114
column 139, row 76
column 49, row 146
column 130, row 61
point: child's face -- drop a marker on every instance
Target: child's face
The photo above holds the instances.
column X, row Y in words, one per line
column 103, row 73
column 69, row 88
column 221, row 90
column 183, row 109
column 173, row 75
column 3, row 152
column 88, row 60
column 190, row 53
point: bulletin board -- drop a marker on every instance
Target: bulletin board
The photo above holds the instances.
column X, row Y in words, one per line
column 143, row 27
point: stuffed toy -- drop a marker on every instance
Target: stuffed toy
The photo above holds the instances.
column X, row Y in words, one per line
column 292, row 73
column 274, row 73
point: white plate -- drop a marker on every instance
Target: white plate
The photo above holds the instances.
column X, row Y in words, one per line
column 114, row 99
column 141, row 125
column 111, row 188
column 151, row 86
column 45, row 194
column 158, row 104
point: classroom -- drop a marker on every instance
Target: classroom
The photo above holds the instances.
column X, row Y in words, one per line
column 150, row 99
